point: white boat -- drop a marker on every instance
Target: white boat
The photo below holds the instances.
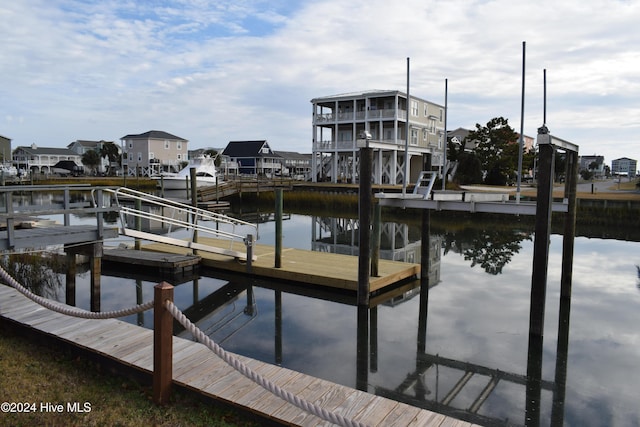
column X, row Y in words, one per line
column 206, row 175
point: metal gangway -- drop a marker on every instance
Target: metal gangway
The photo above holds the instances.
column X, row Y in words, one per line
column 134, row 207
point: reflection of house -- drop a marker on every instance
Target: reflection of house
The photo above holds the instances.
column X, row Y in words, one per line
column 152, row 152
column 624, row 167
column 398, row 242
column 40, row 160
column 253, row 157
column 339, row 120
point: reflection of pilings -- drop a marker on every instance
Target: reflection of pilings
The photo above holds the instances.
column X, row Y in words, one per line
column 139, row 301
column 362, row 356
column 562, row 351
column 425, row 268
column 534, row 381
column 70, row 280
column 278, row 337
column 373, row 339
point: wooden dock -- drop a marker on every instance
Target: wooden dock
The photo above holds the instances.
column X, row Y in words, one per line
column 298, row 265
column 161, row 262
column 196, row 368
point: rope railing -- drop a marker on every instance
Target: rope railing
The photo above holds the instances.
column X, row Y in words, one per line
column 197, row 333
column 265, row 383
column 72, row 311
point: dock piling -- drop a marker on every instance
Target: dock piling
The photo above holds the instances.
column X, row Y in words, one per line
column 162, row 344
column 364, row 257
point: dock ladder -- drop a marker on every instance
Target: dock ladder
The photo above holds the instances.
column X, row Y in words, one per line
column 425, row 182
column 170, row 215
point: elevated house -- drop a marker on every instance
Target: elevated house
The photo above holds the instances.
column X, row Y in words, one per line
column 5, row 149
column 82, row 146
column 399, row 129
column 37, row 160
column 152, row 152
column 253, row 157
column 624, row 166
column 295, row 165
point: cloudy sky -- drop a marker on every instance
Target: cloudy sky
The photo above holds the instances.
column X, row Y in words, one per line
column 215, row 71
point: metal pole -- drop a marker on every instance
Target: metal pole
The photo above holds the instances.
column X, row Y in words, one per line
column 446, row 142
column 405, row 177
column 521, row 141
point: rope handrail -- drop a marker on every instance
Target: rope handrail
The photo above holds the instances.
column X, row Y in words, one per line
column 67, row 310
column 265, row 383
column 200, row 336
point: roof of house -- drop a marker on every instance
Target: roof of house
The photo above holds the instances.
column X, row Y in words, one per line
column 46, row 151
column 155, row 134
column 365, row 94
column 293, row 155
column 240, row 149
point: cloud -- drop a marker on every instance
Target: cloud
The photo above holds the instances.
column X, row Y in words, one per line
column 212, row 72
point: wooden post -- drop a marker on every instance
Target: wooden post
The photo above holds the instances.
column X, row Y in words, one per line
column 569, row 224
column 248, row 242
column 96, row 274
column 194, row 203
column 364, row 256
column 541, row 240
column 375, row 243
column 278, row 218
column 138, row 220
column 425, row 267
column 162, row 344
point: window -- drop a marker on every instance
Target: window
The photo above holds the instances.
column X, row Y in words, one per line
column 139, row 157
column 130, row 143
column 414, row 136
column 179, row 145
column 151, row 156
column 179, row 157
column 414, row 108
column 131, row 157
column 426, row 109
column 167, row 144
column 441, row 114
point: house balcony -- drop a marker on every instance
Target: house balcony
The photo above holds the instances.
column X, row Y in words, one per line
column 360, row 116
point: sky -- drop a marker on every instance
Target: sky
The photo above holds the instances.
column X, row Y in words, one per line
column 216, row 71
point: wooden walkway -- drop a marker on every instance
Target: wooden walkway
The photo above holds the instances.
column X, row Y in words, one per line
column 196, row 368
column 310, row 267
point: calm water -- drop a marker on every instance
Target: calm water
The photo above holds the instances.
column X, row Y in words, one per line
column 478, row 318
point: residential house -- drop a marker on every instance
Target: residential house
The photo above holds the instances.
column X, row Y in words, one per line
column 41, row 159
column 593, row 163
column 153, row 152
column 399, row 130
column 253, row 157
column 5, row 149
column 624, row 167
column 295, row 165
column 81, row 147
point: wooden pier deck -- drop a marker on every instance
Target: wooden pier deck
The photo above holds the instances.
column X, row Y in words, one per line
column 298, row 265
column 196, row 368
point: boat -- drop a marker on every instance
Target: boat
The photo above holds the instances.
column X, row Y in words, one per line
column 206, row 174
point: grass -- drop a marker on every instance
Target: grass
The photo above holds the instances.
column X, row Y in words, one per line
column 38, row 374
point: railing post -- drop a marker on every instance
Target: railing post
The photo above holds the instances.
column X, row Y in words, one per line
column 162, row 344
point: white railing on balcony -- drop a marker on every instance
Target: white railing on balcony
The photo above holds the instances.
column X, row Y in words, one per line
column 360, row 116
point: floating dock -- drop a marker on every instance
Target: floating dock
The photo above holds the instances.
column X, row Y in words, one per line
column 298, row 265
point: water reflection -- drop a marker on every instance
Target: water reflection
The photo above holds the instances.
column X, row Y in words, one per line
column 457, row 346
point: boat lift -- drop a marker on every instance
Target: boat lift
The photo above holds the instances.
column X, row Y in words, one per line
column 174, row 215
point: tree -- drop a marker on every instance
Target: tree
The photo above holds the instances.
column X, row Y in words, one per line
column 469, row 169
column 215, row 155
column 110, row 151
column 91, row 159
column 497, row 150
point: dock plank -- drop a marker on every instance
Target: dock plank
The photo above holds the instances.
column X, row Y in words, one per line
column 197, row 368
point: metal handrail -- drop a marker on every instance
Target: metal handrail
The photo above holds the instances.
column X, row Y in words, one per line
column 193, row 213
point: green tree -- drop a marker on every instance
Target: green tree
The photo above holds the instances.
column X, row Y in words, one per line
column 110, row 151
column 91, row 159
column 469, row 169
column 213, row 154
column 497, row 150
